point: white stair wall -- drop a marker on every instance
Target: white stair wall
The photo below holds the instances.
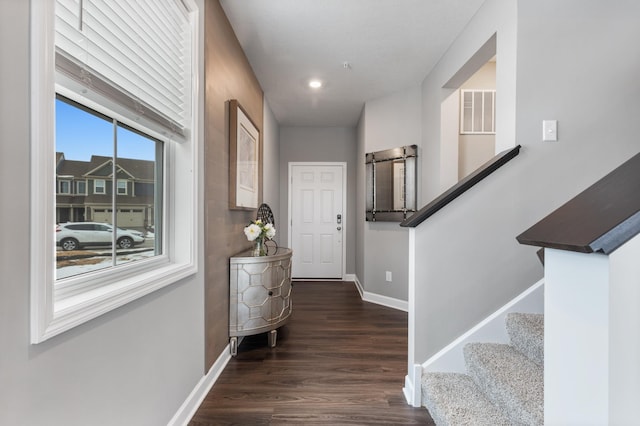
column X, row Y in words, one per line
column 492, row 329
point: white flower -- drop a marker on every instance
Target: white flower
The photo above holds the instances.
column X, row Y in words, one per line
column 270, row 231
column 257, row 230
column 252, row 231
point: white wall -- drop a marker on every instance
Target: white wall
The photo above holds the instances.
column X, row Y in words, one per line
column 135, row 365
column 450, row 139
column 494, row 17
column 360, row 195
column 271, row 167
column 484, row 78
column 385, row 123
column 475, row 150
column 320, row 144
column 569, row 68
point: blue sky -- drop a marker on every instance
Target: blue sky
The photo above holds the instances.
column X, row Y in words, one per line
column 80, row 135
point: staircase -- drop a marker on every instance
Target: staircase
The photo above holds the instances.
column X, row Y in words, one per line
column 504, row 384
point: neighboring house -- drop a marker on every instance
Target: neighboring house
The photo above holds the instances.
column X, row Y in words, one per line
column 84, row 191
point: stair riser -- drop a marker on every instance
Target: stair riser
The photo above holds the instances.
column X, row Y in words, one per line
column 526, row 332
column 509, row 380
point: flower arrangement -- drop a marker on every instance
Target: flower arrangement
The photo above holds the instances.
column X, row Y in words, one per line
column 258, row 232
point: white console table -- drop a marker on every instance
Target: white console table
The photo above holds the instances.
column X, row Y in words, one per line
column 259, row 295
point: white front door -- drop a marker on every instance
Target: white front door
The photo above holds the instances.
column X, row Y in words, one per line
column 317, row 219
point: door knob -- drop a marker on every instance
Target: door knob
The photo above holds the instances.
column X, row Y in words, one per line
column 339, row 228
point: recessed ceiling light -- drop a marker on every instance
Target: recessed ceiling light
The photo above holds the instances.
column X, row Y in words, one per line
column 315, row 84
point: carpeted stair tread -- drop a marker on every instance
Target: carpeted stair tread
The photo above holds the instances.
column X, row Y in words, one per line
column 453, row 399
column 509, row 379
column 526, row 332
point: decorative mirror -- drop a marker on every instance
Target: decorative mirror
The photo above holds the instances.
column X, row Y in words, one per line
column 391, row 184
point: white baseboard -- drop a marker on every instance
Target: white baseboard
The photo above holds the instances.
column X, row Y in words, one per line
column 413, row 387
column 390, row 302
column 407, row 390
column 378, row 299
column 354, row 278
column 492, row 329
column 200, row 391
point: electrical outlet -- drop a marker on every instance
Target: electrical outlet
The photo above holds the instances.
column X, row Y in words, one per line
column 388, row 276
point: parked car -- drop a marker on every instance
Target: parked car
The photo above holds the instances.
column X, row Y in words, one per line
column 74, row 235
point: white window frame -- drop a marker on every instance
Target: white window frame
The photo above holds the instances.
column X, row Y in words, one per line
column 68, row 182
column 118, row 182
column 57, row 307
column 103, row 186
column 77, row 183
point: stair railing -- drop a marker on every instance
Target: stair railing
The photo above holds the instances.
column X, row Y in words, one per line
column 461, row 187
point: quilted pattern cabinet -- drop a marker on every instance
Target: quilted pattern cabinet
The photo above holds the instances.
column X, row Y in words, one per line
column 259, row 295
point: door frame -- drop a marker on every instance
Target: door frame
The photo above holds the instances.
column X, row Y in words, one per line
column 345, row 222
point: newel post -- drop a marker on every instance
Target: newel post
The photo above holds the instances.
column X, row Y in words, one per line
column 592, row 336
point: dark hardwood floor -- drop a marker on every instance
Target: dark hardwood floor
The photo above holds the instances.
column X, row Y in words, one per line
column 339, row 361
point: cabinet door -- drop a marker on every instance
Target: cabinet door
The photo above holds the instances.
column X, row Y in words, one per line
column 253, row 305
column 281, row 290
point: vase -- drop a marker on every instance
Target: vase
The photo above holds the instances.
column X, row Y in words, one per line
column 259, row 249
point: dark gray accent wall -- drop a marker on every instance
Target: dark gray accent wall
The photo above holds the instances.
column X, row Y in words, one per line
column 228, row 75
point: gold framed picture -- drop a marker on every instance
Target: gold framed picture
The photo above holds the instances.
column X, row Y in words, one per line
column 244, row 159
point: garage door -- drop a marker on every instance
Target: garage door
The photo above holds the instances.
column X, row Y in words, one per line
column 102, row 215
column 130, row 218
column 127, row 218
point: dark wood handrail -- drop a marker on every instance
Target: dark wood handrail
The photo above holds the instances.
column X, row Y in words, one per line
column 599, row 219
column 461, row 187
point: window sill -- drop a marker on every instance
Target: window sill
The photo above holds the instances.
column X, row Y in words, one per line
column 75, row 310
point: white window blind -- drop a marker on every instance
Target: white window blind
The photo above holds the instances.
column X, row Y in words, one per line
column 135, row 53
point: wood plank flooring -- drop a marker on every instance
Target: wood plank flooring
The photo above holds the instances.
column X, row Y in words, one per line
column 339, row 361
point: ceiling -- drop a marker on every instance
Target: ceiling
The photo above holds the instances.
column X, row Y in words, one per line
column 360, row 49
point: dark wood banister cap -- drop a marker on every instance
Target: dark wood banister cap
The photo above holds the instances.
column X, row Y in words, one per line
column 599, row 219
column 461, row 187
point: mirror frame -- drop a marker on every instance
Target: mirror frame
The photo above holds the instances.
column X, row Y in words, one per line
column 378, row 210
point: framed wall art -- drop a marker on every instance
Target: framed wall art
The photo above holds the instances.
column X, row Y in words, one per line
column 244, row 159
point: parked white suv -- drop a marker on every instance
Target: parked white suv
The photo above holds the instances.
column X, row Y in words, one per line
column 74, row 235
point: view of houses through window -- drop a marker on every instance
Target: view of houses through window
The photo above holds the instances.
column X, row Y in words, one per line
column 109, row 192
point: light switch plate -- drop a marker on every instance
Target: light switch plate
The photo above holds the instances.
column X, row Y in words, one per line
column 549, row 130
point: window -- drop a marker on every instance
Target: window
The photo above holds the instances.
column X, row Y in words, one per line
column 122, row 187
column 64, row 187
column 137, row 137
column 95, row 156
column 477, row 110
column 81, row 187
column 99, row 186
